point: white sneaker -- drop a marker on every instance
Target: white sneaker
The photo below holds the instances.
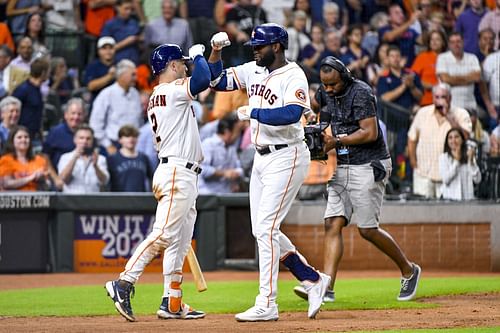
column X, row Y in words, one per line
column 302, row 293
column 258, row 313
column 315, row 293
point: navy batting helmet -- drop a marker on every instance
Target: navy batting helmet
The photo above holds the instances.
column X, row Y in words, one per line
column 163, row 54
column 269, row 33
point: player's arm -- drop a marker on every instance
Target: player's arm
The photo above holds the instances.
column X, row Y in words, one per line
column 284, row 115
column 221, row 79
column 200, row 80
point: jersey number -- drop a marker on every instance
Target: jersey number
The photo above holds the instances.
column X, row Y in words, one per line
column 155, row 126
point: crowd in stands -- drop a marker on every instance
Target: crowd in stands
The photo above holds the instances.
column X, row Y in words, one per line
column 76, row 122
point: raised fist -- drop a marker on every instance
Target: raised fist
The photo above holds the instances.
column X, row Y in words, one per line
column 220, row 40
column 196, row 50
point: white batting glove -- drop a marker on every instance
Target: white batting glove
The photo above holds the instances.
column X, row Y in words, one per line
column 196, row 50
column 244, row 112
column 220, row 40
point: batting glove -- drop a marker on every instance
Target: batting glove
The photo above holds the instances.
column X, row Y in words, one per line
column 244, row 112
column 220, row 40
column 196, row 50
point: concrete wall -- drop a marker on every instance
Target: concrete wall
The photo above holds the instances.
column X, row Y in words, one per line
column 451, row 236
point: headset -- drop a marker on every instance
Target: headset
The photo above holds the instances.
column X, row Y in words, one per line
column 345, row 73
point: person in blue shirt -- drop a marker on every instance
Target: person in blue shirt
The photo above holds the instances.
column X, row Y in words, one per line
column 355, row 57
column 125, row 30
column 129, row 170
column 60, row 137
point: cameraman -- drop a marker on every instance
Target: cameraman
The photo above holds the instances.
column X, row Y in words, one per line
column 83, row 170
column 363, row 167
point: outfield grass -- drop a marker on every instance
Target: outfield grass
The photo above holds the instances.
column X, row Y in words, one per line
column 232, row 297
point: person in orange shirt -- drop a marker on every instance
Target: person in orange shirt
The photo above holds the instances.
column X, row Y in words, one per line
column 96, row 14
column 22, row 170
column 425, row 64
column 6, row 36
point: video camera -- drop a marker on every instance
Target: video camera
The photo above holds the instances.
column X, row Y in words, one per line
column 314, row 140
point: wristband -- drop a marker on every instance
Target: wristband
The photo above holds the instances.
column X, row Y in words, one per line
column 338, row 144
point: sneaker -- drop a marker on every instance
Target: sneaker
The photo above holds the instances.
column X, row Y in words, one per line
column 121, row 298
column 315, row 293
column 302, row 293
column 409, row 286
column 258, row 313
column 186, row 312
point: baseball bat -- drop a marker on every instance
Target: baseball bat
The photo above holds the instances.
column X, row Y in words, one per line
column 199, row 279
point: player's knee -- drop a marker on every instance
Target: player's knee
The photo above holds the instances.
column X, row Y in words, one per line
column 334, row 225
column 367, row 233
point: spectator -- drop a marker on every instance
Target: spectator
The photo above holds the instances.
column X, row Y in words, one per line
column 427, row 136
column 125, row 30
column 18, row 12
column 221, row 167
column 479, row 135
column 21, row 169
column 24, row 54
column 6, row 36
column 355, row 57
column 59, row 140
column 379, row 65
column 168, row 29
column 101, row 73
column 297, row 38
column 467, row 25
column 97, row 13
column 333, row 45
column 10, row 109
column 240, row 21
column 310, row 56
column 458, row 167
column 298, row 5
column 200, row 14
column 491, row 96
column 331, row 18
column 115, row 106
column 5, row 58
column 62, row 15
column 129, row 170
column 60, row 82
column 492, row 20
column 31, row 98
column 400, row 33
column 146, row 146
column 83, row 170
column 425, row 64
column 35, row 29
column 495, row 142
column 485, row 44
column 370, row 39
column 460, row 70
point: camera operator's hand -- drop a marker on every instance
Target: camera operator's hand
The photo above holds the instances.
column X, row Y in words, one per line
column 329, row 143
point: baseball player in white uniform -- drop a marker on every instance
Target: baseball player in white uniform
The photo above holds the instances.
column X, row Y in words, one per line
column 174, row 183
column 278, row 96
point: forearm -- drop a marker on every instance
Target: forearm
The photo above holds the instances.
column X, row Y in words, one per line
column 15, row 183
column 459, row 80
column 416, row 93
column 390, row 36
column 394, row 94
column 412, row 153
column 99, row 83
column 101, row 176
column 67, row 172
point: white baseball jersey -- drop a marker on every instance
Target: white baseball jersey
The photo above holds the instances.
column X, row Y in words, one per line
column 173, row 121
column 284, row 86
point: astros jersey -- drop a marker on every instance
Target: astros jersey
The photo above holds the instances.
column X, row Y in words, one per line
column 284, row 86
column 173, row 121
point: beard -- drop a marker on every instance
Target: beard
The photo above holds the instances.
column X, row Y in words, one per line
column 267, row 59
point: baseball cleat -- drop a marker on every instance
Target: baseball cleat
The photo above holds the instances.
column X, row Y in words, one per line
column 186, row 312
column 121, row 298
column 315, row 293
column 258, row 313
column 409, row 286
column 302, row 293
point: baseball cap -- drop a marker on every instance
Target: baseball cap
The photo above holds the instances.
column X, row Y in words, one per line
column 106, row 40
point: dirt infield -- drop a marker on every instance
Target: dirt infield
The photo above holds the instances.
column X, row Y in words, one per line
column 478, row 310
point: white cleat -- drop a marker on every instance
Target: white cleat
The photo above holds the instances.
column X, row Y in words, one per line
column 315, row 293
column 258, row 313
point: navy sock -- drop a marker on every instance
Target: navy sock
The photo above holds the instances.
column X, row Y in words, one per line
column 300, row 270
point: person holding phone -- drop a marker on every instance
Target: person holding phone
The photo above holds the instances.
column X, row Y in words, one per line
column 83, row 170
column 427, row 135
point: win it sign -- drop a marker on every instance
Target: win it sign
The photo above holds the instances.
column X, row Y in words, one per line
column 104, row 242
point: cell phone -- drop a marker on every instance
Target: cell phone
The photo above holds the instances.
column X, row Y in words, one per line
column 88, row 151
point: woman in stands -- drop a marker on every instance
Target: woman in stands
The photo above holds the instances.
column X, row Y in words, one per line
column 21, row 169
column 458, row 167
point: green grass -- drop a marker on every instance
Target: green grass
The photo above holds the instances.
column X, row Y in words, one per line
column 232, row 297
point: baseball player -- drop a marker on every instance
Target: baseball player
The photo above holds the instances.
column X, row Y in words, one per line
column 278, row 96
column 174, row 183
